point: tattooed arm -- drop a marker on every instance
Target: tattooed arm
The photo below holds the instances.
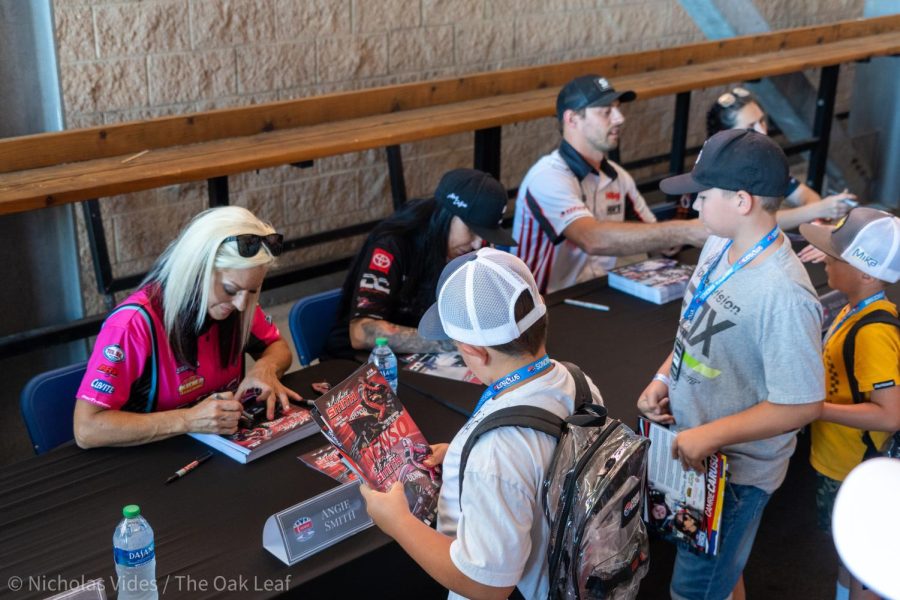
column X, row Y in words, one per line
column 405, row 340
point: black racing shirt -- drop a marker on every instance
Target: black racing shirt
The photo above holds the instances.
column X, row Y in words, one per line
column 378, row 292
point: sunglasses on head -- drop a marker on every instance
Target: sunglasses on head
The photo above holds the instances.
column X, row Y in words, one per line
column 248, row 243
column 729, row 98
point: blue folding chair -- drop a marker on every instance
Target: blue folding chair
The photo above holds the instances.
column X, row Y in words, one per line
column 47, row 403
column 311, row 320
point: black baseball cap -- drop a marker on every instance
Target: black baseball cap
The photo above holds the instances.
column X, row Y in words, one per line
column 479, row 200
column 586, row 91
column 734, row 160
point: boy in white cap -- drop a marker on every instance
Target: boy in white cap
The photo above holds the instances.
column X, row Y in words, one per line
column 862, row 357
column 746, row 369
column 494, row 537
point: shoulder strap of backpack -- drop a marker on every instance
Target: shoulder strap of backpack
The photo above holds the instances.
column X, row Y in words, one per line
column 849, row 352
column 513, row 416
column 153, row 394
column 534, row 418
column 582, row 389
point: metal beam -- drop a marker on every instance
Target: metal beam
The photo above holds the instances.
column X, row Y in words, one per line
column 822, row 126
column 217, row 188
column 93, row 221
column 395, row 170
column 679, row 132
column 487, row 150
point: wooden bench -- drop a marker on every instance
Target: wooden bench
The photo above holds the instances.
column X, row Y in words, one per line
column 56, row 168
column 52, row 169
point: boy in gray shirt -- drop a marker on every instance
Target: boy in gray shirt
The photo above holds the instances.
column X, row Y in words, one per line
column 746, row 371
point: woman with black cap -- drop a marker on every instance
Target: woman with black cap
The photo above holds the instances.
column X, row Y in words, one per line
column 392, row 281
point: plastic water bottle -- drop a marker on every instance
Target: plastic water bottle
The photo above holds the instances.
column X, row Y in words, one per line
column 135, row 556
column 383, row 357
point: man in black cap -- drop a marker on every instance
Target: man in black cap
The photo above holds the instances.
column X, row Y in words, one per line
column 746, row 369
column 571, row 205
column 391, row 283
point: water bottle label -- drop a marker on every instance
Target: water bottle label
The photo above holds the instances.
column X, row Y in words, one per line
column 389, row 373
column 134, row 558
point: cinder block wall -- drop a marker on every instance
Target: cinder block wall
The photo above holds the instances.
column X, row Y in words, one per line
column 125, row 60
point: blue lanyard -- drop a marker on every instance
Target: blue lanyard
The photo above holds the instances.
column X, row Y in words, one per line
column 510, row 379
column 705, row 289
column 861, row 305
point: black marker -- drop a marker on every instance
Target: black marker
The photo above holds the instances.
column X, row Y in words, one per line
column 189, row 467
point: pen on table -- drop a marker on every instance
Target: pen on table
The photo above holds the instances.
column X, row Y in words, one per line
column 189, row 467
column 583, row 304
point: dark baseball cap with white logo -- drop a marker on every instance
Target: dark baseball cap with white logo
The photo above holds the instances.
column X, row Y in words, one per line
column 586, row 91
column 735, row 160
column 479, row 200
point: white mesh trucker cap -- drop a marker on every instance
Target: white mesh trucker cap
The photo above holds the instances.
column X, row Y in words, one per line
column 476, row 300
column 866, row 238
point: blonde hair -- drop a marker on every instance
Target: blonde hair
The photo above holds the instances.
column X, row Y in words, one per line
column 185, row 274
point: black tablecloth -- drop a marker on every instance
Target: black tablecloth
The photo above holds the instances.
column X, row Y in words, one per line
column 58, row 512
column 620, row 349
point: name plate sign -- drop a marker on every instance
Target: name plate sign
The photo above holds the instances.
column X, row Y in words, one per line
column 306, row 528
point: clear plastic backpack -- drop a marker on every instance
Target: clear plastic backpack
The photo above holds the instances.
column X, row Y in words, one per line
column 592, row 496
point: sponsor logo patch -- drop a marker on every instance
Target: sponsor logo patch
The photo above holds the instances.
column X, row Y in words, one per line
column 840, row 223
column 108, row 370
column 303, row 529
column 630, row 506
column 377, row 284
column 573, row 209
column 191, row 384
column 381, row 260
column 104, row 387
column 859, row 253
column 613, row 196
column 884, row 384
column 613, row 209
column 114, row 353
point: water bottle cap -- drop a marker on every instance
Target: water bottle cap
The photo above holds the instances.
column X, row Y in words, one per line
column 131, row 511
column 382, row 341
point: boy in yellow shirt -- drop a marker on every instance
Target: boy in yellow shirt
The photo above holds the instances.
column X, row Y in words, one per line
column 863, row 257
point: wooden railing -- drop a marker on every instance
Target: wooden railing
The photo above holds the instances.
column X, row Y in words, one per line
column 54, row 168
column 82, row 165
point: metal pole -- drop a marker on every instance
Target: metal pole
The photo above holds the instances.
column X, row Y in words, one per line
column 487, row 150
column 822, row 126
column 93, row 221
column 679, row 132
column 395, row 170
column 218, row 191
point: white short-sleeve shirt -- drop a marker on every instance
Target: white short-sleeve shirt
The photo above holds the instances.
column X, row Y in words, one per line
column 501, row 533
column 557, row 191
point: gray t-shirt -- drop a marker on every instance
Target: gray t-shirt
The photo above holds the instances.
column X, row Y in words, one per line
column 756, row 338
